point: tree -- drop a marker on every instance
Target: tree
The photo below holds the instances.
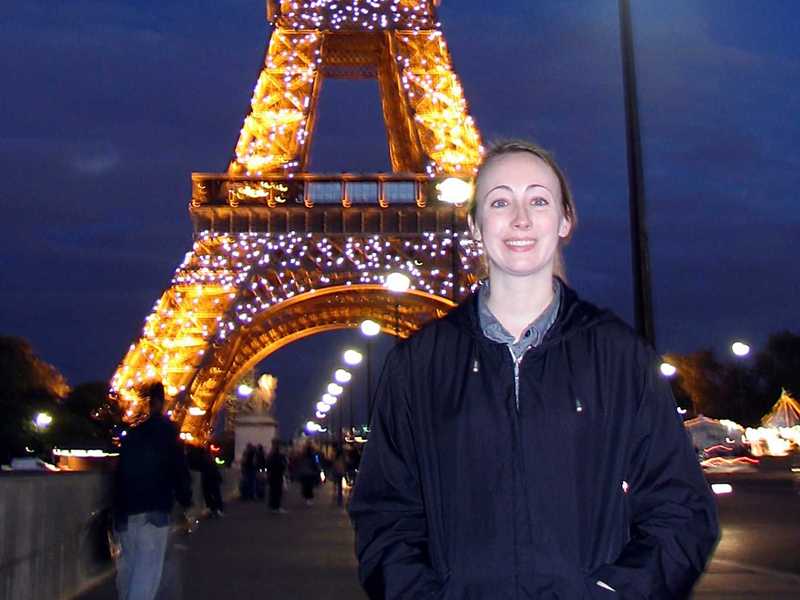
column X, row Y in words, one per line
column 28, row 385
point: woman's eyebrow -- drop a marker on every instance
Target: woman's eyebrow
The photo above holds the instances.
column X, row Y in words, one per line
column 505, row 187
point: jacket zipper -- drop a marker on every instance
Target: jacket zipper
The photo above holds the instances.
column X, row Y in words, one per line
column 516, row 362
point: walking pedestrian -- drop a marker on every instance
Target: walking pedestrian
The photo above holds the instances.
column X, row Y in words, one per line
column 525, row 446
column 247, row 487
column 150, row 474
column 276, row 470
column 308, row 473
column 211, row 482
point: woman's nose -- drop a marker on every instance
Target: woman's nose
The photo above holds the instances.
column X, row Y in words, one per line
column 522, row 219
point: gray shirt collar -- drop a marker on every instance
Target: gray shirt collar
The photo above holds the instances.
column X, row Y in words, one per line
column 532, row 335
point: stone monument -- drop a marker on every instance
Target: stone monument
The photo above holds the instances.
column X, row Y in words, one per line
column 254, row 422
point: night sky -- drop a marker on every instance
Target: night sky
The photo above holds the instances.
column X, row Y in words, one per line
column 107, row 106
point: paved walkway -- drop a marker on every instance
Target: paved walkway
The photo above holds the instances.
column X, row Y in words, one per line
column 252, row 554
column 308, row 554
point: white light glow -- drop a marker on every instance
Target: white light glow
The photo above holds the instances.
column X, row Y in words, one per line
column 322, row 407
column 454, row 190
column 397, row 282
column 244, row 390
column 740, row 348
column 335, row 389
column 370, row 328
column 342, row 375
column 352, row 357
column 43, row 420
column 668, row 370
column 329, row 399
column 722, row 488
column 196, row 411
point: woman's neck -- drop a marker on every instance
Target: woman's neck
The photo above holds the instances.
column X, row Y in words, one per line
column 518, row 301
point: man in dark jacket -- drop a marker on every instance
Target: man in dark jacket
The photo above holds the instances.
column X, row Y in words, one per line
column 151, row 473
column 563, row 474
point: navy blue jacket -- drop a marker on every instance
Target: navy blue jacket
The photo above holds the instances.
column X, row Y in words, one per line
column 152, row 470
column 470, row 489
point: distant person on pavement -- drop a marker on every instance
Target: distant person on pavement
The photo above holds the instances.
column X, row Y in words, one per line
column 525, row 445
column 308, row 473
column 211, row 482
column 151, row 473
column 276, row 469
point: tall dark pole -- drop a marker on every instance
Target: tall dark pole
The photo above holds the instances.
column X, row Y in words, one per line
column 369, row 381
column 640, row 252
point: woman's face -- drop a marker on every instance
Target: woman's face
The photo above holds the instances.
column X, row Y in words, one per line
column 519, row 216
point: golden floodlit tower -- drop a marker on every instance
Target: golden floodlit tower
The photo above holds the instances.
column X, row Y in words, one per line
column 280, row 253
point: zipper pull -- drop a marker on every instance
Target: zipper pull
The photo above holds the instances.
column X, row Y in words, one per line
column 475, row 366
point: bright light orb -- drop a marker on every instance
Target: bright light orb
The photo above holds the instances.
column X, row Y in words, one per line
column 322, row 407
column 668, row 370
column 335, row 389
column 244, row 390
column 342, row 375
column 740, row 348
column 352, row 357
column 320, row 415
column 454, row 190
column 329, row 399
column 43, row 420
column 312, row 427
column 397, row 282
column 370, row 328
column 196, row 411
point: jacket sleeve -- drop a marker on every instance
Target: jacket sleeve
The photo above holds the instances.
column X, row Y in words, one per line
column 673, row 516
column 386, row 507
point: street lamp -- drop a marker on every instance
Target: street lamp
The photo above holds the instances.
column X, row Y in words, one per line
column 668, row 370
column 42, row 421
column 352, row 357
column 342, row 375
column 740, row 349
column 640, row 252
column 397, row 283
column 370, row 329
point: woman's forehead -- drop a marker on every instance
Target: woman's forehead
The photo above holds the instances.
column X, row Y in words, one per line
column 518, row 170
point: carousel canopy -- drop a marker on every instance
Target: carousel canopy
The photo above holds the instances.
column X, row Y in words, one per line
column 785, row 413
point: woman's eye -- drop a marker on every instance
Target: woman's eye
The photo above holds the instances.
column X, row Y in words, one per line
column 499, row 203
column 539, row 201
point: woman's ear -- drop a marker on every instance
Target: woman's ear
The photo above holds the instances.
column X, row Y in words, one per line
column 474, row 230
column 564, row 227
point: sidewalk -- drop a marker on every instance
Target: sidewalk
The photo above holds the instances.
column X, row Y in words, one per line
column 251, row 554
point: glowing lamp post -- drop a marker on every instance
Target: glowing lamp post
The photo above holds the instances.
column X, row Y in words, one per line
column 342, row 375
column 668, row 370
column 397, row 283
column 42, row 421
column 370, row 329
column 740, row 350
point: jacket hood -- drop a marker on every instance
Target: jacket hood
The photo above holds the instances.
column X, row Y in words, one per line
column 574, row 315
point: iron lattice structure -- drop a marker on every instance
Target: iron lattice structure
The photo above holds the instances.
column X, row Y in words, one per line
column 280, row 253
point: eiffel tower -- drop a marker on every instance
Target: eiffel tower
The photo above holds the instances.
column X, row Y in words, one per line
column 280, row 253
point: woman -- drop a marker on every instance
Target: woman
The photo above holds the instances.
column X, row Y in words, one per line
column 524, row 446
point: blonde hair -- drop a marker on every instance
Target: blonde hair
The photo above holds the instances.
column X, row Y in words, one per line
column 517, row 146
